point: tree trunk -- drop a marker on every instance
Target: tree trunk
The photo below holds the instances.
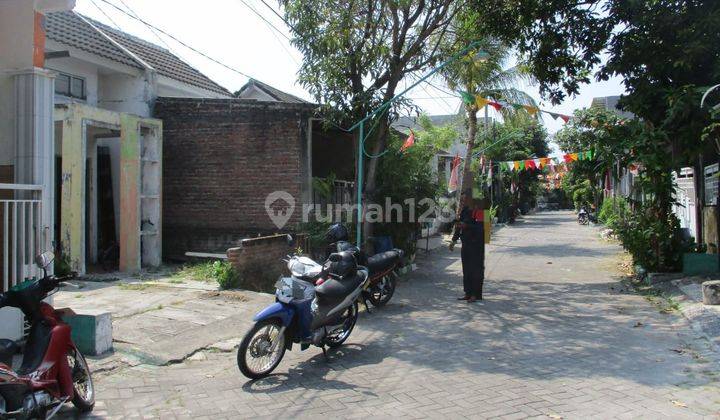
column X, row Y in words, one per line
column 467, row 178
column 372, row 167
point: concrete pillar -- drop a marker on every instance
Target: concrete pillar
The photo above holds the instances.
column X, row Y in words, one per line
column 35, row 141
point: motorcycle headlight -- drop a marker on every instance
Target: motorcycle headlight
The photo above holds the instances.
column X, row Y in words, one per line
column 284, row 291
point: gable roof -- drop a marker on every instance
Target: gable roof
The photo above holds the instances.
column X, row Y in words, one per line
column 83, row 33
column 276, row 94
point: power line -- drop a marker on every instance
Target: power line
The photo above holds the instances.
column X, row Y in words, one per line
column 273, row 29
column 151, row 29
column 179, row 41
column 264, row 20
column 446, row 104
column 280, row 16
column 105, row 14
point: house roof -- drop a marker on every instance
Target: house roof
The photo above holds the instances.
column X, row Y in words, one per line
column 74, row 30
column 277, row 94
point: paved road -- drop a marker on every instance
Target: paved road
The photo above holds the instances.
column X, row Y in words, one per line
column 557, row 336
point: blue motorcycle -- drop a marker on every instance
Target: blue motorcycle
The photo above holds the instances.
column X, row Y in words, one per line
column 317, row 305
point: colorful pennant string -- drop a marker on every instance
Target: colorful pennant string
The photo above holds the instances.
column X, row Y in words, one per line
column 469, row 98
column 549, row 162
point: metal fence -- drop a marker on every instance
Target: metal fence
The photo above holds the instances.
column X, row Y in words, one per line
column 21, row 233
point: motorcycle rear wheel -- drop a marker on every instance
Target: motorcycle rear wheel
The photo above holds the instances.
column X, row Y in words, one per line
column 83, row 387
column 381, row 293
column 255, row 347
column 336, row 339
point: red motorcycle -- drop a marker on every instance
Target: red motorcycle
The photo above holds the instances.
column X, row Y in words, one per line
column 53, row 371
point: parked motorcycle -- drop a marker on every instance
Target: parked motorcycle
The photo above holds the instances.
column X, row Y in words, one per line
column 382, row 267
column 584, row 216
column 53, row 371
column 317, row 305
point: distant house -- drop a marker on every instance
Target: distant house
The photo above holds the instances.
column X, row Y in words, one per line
column 259, row 91
column 442, row 162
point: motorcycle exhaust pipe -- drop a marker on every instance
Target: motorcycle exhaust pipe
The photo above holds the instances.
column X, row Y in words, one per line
column 320, row 334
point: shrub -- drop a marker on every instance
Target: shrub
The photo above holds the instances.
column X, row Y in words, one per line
column 613, row 212
column 654, row 242
column 220, row 271
column 224, row 273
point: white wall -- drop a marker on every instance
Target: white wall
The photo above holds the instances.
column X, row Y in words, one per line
column 171, row 88
column 75, row 67
column 125, row 93
column 16, row 46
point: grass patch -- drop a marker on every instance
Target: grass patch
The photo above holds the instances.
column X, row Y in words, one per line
column 220, row 272
column 135, row 286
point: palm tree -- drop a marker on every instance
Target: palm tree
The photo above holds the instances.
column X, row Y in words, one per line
column 489, row 77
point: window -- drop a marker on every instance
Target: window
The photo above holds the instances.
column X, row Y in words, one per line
column 71, row 86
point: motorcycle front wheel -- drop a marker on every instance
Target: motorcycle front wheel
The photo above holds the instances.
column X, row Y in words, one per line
column 262, row 349
column 337, row 337
column 382, row 291
column 83, row 387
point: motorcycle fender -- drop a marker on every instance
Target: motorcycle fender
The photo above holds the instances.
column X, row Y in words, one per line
column 277, row 310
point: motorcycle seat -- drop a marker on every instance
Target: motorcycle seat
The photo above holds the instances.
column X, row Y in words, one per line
column 8, row 349
column 383, row 261
column 334, row 288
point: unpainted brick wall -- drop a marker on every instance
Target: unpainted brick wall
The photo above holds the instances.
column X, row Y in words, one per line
column 221, row 158
column 259, row 261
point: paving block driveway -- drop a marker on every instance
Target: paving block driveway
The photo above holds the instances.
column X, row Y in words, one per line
column 556, row 337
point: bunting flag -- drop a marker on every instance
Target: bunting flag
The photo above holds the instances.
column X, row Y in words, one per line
column 495, row 105
column 481, row 102
column 466, row 97
column 554, row 165
column 408, row 142
column 532, row 110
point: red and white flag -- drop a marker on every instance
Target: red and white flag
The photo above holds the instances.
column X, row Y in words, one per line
column 454, row 178
column 408, row 142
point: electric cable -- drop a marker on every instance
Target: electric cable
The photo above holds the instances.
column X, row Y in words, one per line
column 195, row 50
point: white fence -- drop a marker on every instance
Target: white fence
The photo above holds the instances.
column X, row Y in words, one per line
column 21, row 233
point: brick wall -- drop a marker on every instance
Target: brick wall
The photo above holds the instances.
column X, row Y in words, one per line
column 258, row 261
column 221, row 158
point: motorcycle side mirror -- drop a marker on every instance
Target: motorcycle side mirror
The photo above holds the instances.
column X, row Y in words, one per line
column 290, row 240
column 45, row 259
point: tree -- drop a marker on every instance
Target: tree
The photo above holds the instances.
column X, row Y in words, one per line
column 355, row 55
column 488, row 77
column 518, row 138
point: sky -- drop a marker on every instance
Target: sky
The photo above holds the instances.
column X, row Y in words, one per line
column 240, row 34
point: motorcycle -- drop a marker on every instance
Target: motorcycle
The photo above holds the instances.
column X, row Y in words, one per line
column 583, row 218
column 53, row 371
column 317, row 305
column 382, row 268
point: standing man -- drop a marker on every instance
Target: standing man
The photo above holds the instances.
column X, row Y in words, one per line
column 469, row 228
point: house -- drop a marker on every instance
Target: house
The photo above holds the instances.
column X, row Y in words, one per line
column 442, row 162
column 224, row 157
column 696, row 187
column 81, row 154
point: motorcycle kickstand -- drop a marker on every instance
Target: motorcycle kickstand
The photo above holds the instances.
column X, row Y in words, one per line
column 325, row 353
column 367, row 308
